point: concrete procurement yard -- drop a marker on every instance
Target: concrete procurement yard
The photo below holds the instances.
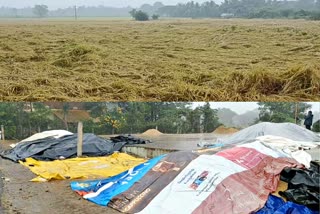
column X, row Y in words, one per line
column 19, row 195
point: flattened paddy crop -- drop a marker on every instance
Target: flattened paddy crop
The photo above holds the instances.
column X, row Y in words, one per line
column 167, row 60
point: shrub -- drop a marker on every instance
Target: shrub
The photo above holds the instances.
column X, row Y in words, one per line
column 315, row 16
column 139, row 15
column 155, row 17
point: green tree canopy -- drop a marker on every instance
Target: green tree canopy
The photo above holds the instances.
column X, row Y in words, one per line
column 210, row 119
column 40, row 10
column 279, row 112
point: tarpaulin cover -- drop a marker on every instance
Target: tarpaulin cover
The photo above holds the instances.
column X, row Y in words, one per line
column 45, row 134
column 51, row 148
column 236, row 180
column 102, row 191
column 303, row 186
column 145, row 189
column 291, row 148
column 286, row 130
column 276, row 205
column 76, row 168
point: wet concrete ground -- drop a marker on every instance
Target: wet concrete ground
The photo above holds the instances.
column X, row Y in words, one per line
column 20, row 196
column 179, row 141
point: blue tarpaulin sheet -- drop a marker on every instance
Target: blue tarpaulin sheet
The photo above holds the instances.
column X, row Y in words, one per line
column 276, row 205
column 102, row 191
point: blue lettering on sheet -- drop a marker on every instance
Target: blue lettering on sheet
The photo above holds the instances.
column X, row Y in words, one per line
column 117, row 184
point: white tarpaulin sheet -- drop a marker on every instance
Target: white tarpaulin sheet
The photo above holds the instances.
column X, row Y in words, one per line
column 287, row 130
column 236, row 175
column 52, row 133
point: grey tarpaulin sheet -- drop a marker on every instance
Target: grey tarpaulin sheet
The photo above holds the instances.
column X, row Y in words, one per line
column 51, row 148
column 287, row 130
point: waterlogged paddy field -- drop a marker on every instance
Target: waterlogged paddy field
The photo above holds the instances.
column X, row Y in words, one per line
column 168, row 60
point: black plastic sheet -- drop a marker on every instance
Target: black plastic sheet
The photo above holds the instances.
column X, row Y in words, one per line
column 303, row 186
column 129, row 139
column 66, row 147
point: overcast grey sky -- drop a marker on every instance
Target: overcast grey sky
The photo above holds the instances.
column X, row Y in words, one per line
column 243, row 107
column 54, row 4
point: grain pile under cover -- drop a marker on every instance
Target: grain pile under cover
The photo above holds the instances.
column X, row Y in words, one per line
column 167, row 60
column 80, row 168
column 203, row 183
column 286, row 130
column 50, row 148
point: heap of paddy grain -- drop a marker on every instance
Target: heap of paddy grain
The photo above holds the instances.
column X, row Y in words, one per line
column 225, row 130
column 152, row 133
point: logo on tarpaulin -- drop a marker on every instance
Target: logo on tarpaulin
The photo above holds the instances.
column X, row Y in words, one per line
column 165, row 166
column 202, row 177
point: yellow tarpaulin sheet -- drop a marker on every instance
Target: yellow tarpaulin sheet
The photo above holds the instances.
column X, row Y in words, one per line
column 78, row 168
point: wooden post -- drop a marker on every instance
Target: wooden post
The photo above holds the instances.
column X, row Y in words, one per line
column 2, row 132
column 80, row 138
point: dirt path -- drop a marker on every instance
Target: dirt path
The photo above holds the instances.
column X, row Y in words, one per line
column 19, row 195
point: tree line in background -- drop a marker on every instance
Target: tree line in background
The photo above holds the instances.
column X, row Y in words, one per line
column 83, row 11
column 21, row 120
column 24, row 119
column 306, row 9
column 309, row 9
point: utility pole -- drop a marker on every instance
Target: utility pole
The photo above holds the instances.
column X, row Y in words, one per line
column 296, row 113
column 75, row 13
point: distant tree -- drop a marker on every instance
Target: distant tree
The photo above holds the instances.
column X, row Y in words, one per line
column 158, row 5
column 40, row 117
column 134, row 114
column 146, row 7
column 65, row 109
column 133, row 12
column 194, row 118
column 113, row 118
column 8, row 118
column 139, row 15
column 40, row 10
column 210, row 119
column 285, row 13
column 155, row 17
column 15, row 12
column 301, row 14
column 315, row 15
column 279, row 112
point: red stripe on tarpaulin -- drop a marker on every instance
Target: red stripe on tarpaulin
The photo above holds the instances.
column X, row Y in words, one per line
column 247, row 191
column 83, row 193
column 245, row 157
column 142, row 192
